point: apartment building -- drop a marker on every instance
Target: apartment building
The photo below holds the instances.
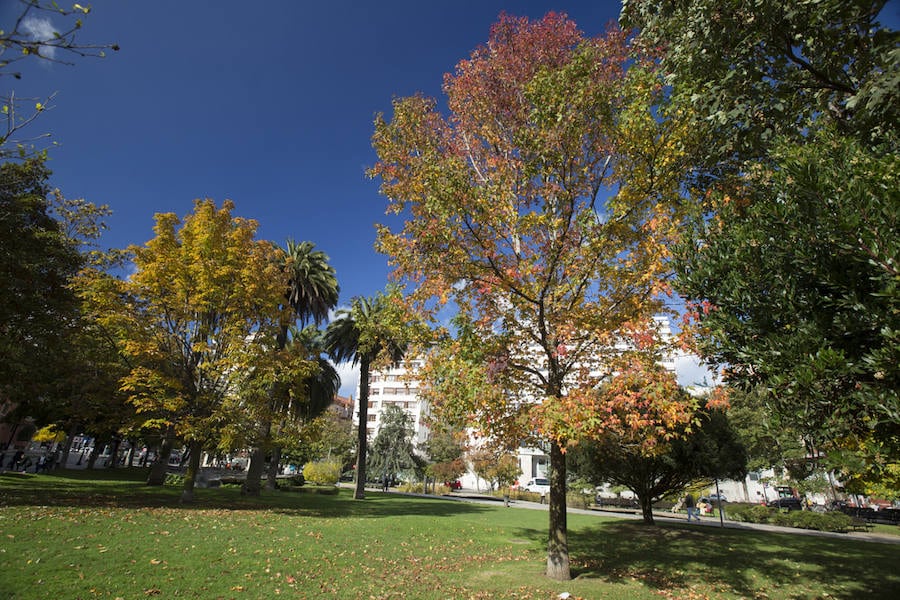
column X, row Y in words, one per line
column 398, row 387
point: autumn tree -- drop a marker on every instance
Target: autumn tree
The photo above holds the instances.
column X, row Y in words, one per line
column 444, row 448
column 540, row 204
column 498, row 466
column 631, row 418
column 200, row 315
column 328, row 437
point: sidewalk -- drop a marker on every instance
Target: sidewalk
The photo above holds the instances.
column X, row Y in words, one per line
column 669, row 517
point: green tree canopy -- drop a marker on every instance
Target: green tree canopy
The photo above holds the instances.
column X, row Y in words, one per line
column 392, row 450
column 802, row 280
column 755, row 71
column 37, row 262
column 46, row 244
column 792, row 269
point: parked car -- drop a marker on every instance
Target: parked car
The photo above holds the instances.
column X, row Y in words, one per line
column 717, row 498
column 453, row 485
column 790, row 503
column 539, row 485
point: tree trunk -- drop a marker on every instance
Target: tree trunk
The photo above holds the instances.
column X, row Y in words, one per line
column 558, row 546
column 254, row 472
column 157, row 475
column 253, row 484
column 647, row 509
column 190, row 478
column 362, row 437
column 274, row 467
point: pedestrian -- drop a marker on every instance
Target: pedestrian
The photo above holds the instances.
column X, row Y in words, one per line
column 690, row 507
column 16, row 459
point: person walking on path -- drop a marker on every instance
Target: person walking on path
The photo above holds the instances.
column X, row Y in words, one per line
column 690, row 506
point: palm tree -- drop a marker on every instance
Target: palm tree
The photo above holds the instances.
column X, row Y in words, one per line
column 362, row 335
column 311, row 292
column 320, row 389
column 312, row 285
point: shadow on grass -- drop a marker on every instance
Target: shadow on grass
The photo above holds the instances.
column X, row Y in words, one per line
column 125, row 488
column 748, row 563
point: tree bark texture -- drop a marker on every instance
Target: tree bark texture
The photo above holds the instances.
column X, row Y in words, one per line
column 558, row 545
column 190, row 478
column 253, row 483
column 362, row 438
column 274, row 468
column 647, row 509
column 157, row 475
column 254, row 472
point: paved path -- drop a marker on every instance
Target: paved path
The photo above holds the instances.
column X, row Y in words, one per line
column 672, row 518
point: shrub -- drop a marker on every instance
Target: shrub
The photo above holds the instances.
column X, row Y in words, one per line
column 413, row 487
column 326, row 472
column 801, row 519
column 174, row 479
column 756, row 513
column 530, row 496
column 579, row 499
column 836, row 521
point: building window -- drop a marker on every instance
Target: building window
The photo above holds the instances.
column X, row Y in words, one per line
column 371, row 404
column 371, row 418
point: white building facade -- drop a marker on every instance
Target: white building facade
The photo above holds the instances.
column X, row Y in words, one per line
column 399, row 387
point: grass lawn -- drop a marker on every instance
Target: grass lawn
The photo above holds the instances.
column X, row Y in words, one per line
column 80, row 535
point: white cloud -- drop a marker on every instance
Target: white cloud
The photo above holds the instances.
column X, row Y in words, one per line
column 41, row 30
column 349, row 375
column 692, row 372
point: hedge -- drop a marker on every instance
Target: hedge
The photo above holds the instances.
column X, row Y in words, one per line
column 801, row 519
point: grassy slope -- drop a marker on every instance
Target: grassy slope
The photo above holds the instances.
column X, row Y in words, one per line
column 65, row 536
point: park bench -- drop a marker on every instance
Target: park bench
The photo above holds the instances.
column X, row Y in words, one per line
column 860, row 524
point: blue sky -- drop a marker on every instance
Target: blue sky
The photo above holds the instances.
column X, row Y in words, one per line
column 270, row 104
